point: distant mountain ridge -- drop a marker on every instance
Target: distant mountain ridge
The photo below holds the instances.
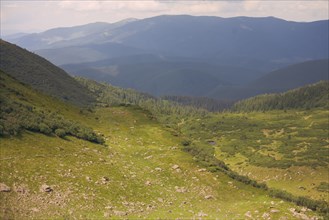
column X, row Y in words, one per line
column 234, row 41
column 221, row 58
column 281, row 80
column 42, row 75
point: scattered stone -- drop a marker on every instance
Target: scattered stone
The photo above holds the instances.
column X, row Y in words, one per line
column 202, row 214
column 148, row 183
column 180, row 189
column 208, row 197
column 160, row 200
column 46, row 188
column 119, row 213
column 35, row 210
column 304, row 209
column 175, row 167
column 158, row 169
column 4, row 188
column 106, row 214
column 105, row 179
column 88, row 178
column 274, row 211
column 21, row 189
column 266, row 215
column 248, row 214
column 202, row 170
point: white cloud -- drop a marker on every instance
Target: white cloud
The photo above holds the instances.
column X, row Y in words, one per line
column 29, row 15
column 81, row 5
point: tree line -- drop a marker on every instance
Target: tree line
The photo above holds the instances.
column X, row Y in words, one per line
column 307, row 97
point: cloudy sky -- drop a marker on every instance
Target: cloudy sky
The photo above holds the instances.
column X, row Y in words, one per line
column 35, row 16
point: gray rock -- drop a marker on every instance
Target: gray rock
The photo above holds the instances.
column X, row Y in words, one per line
column 119, row 213
column 4, row 188
column 248, row 214
column 46, row 188
column 208, row 197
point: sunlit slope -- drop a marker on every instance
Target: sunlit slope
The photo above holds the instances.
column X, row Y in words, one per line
column 287, row 150
column 140, row 172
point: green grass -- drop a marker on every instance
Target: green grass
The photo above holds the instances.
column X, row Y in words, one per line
column 137, row 158
column 285, row 149
column 136, row 146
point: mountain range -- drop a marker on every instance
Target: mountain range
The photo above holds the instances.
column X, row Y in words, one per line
column 222, row 58
column 75, row 148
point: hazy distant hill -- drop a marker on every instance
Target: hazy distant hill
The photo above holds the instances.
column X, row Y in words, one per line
column 161, row 75
column 88, row 53
column 189, row 55
column 281, row 80
column 64, row 36
column 41, row 74
column 294, row 76
column 257, row 43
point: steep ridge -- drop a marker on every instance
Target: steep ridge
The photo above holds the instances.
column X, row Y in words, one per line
column 42, row 75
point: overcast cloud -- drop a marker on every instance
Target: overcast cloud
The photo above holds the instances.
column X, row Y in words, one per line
column 35, row 16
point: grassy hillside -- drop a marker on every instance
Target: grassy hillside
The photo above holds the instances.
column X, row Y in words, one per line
column 285, row 149
column 134, row 156
column 23, row 108
column 41, row 74
column 140, row 172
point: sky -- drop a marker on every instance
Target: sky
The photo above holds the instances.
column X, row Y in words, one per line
column 35, row 16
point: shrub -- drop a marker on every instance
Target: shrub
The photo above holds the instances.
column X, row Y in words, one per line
column 60, row 132
column 43, row 128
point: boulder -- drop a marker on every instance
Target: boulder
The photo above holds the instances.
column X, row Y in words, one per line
column 4, row 188
column 21, row 188
column 119, row 213
column 248, row 214
column 208, row 197
column 45, row 188
column 175, row 167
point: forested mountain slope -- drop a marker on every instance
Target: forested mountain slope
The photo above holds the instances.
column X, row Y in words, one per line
column 310, row 96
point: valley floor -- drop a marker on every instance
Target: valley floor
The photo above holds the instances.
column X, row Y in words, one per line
column 141, row 172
